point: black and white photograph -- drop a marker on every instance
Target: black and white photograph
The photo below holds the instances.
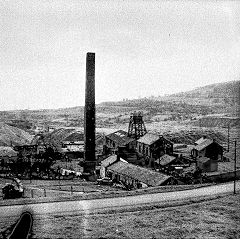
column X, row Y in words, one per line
column 120, row 119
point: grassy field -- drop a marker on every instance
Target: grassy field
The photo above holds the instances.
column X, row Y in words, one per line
column 219, row 218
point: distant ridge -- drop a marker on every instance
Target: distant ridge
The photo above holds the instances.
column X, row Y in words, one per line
column 214, row 98
column 226, row 91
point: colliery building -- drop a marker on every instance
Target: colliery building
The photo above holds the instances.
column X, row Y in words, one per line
column 133, row 176
column 118, row 139
column 120, row 143
column 7, row 157
column 153, row 146
column 209, row 148
column 107, row 162
column 207, row 153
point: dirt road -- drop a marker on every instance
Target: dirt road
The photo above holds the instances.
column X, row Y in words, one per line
column 89, row 206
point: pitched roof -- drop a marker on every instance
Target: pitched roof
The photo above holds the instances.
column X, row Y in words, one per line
column 109, row 160
column 149, row 138
column 75, row 136
column 10, row 135
column 184, row 150
column 120, row 137
column 203, row 159
column 168, row 140
column 147, row 176
column 179, row 146
column 166, row 159
column 201, row 140
column 203, row 145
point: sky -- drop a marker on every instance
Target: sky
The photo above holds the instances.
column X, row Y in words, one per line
column 143, row 48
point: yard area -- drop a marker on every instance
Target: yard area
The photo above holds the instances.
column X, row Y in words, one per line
column 219, row 218
column 53, row 188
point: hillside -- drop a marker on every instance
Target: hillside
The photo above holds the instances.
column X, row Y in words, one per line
column 224, row 90
column 222, row 97
column 217, row 99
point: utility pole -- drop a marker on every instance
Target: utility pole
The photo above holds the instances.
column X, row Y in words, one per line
column 235, row 166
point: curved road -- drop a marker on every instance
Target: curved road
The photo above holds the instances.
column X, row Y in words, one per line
column 94, row 205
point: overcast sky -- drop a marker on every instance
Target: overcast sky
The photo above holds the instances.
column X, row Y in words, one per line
column 142, row 48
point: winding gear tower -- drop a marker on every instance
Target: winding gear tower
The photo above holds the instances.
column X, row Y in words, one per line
column 136, row 128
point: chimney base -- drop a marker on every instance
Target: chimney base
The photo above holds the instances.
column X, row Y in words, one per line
column 89, row 172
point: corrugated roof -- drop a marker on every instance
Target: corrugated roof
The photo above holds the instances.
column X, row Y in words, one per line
column 75, row 136
column 166, row 159
column 204, row 144
column 149, row 177
column 120, row 137
column 149, row 138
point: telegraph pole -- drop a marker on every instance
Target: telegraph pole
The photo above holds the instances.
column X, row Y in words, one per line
column 235, row 166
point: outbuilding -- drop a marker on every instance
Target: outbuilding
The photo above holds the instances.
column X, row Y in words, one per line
column 209, row 148
column 132, row 175
column 206, row 164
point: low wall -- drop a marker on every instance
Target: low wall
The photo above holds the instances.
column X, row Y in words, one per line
column 224, row 176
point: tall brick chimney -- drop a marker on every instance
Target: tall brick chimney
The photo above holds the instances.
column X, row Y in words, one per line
column 89, row 118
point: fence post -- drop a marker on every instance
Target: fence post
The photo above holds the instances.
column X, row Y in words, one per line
column 71, row 190
column 45, row 194
column 32, row 193
column 235, row 166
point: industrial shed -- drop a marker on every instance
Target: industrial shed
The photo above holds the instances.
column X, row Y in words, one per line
column 74, row 137
column 209, row 148
column 152, row 146
column 133, row 175
column 73, row 145
column 119, row 142
column 119, row 139
column 166, row 160
column 7, row 156
column 107, row 162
